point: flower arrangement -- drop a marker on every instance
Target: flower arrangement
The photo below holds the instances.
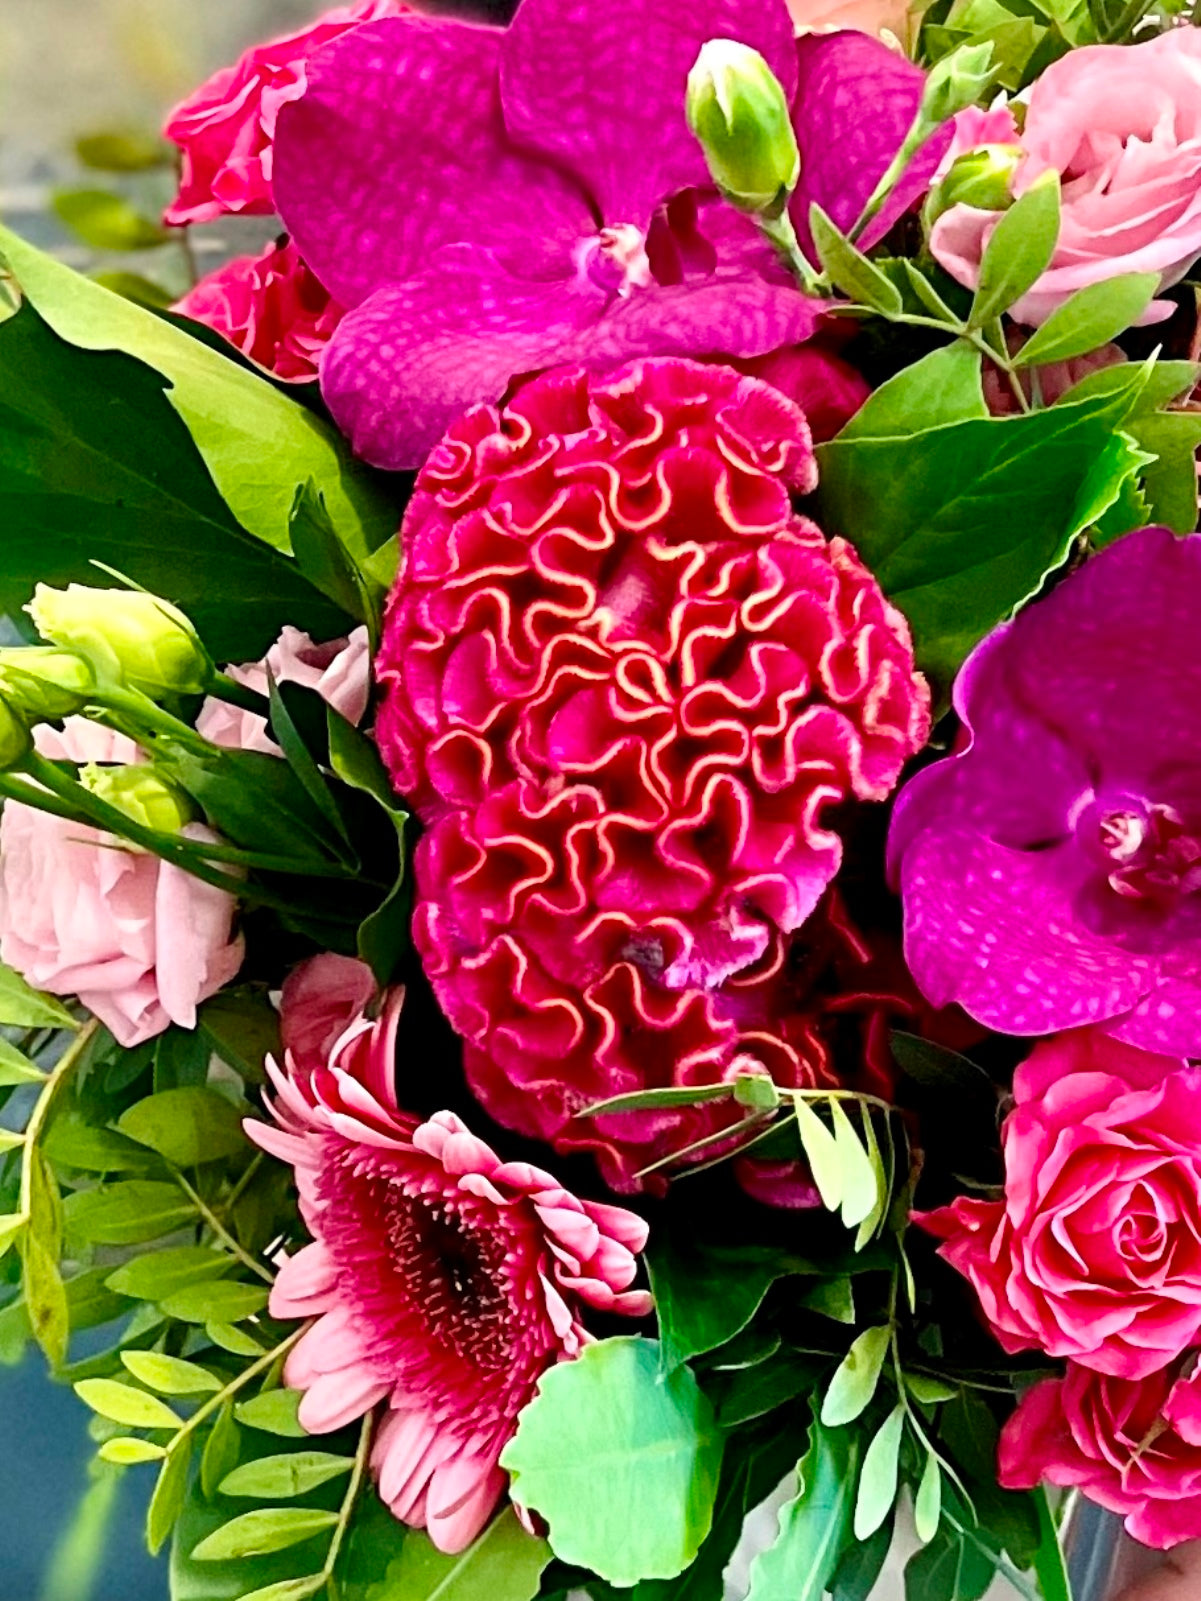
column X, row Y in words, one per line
column 601, row 838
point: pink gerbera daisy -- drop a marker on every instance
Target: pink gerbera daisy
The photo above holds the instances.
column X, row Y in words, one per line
column 442, row 1279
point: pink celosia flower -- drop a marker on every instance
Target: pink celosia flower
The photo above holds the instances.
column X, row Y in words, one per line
column 271, row 308
column 339, row 670
column 139, row 941
column 226, row 128
column 442, row 1279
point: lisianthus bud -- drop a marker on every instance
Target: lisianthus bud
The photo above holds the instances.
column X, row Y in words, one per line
column 44, row 683
column 126, row 635
column 15, row 739
column 736, row 108
column 981, row 178
column 141, row 794
column 953, row 84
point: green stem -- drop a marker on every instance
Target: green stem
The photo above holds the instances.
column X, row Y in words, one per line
column 219, row 1229
column 912, row 142
column 346, row 1510
column 259, row 1365
column 783, row 235
column 235, row 1195
column 55, row 1080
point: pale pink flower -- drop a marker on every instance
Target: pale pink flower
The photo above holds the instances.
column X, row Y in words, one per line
column 340, row 672
column 139, row 941
column 868, row 16
column 321, row 999
column 442, row 1279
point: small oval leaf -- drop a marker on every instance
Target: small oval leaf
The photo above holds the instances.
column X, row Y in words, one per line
column 878, row 1477
column 169, row 1375
column 170, row 1492
column 274, row 1412
column 822, row 1151
column 126, row 1451
column 1019, row 250
column 927, row 1508
column 855, row 1381
column 280, row 1477
column 267, row 1529
column 1090, row 318
column 133, row 1409
column 860, row 1192
column 218, row 1301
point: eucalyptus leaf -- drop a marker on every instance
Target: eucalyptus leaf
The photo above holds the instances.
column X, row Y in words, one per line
column 878, row 1476
column 854, row 1383
column 1019, row 250
column 814, row 1526
column 1089, row 318
column 257, row 1533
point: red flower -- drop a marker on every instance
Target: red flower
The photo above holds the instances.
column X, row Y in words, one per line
column 442, row 1279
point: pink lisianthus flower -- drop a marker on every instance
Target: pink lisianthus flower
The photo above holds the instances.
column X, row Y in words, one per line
column 339, row 670
column 225, row 129
column 139, row 941
column 321, row 998
column 271, row 308
column 1133, row 1446
column 442, row 1280
column 1121, row 124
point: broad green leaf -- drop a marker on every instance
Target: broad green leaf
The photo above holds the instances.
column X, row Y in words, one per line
column 268, row 1529
column 135, row 286
column 96, row 465
column 1170, row 483
column 133, row 1409
column 753, row 1392
column 122, row 150
column 943, row 387
column 1019, row 250
column 20, row 1005
column 170, row 1493
column 220, row 1454
column 854, row 1383
column 705, row 1295
column 927, row 1507
column 821, row 1148
column 181, row 1060
column 861, row 1565
column 270, row 1478
column 274, row 1412
column 242, row 1027
column 215, row 1301
column 878, row 1476
column 1089, row 318
column 106, row 221
column 127, row 1214
column 127, row 1451
column 503, row 1564
column 814, row 1525
column 860, row 1192
column 154, row 1276
column 186, row 1126
column 661, row 1453
column 849, row 269
column 258, row 444
column 671, row 1095
column 73, row 1143
column 170, row 1375
column 833, row 1297
column 15, row 1066
column 953, row 1567
column 1147, row 385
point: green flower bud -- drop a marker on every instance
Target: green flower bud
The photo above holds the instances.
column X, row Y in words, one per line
column 953, row 84
column 127, row 636
column 980, row 178
column 45, row 683
column 15, row 739
column 736, row 108
column 141, row 794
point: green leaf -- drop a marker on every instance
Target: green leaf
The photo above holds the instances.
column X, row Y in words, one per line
column 951, row 1568
column 705, row 1295
column 170, row 1493
column 170, row 1375
column 752, row 1392
column 1170, row 483
column 269, row 1478
column 181, row 1059
column 11, row 1225
column 268, row 1529
column 943, row 387
column 927, row 1508
column 929, row 1391
column 186, row 1126
column 854, row 1383
column 10, row 1140
column 16, row 1068
column 821, row 1148
column 95, row 464
column 1050, row 1564
column 660, row 1449
column 937, row 1067
column 1089, row 318
column 860, row 1192
column 326, row 562
column 45, row 1294
column 233, row 1339
column 287, row 1589
column 883, row 1180
column 833, row 1297
column 122, row 150
column 20, row 1005
column 849, row 269
column 1019, row 250
column 257, row 443
column 242, row 1026
column 878, row 1478
column 127, row 1214
column 135, row 286
column 215, row 1301
column 814, row 1525
column 274, row 1412
column 220, row 1454
column 303, row 765
column 126, row 1451
column 670, row 1095
column 72, row 1142
column 161, row 1273
column 861, row 1565
column 383, row 936
column 503, row 1564
column 106, row 221
column 133, row 1409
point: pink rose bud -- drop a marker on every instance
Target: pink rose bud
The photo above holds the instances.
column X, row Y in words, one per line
column 340, row 672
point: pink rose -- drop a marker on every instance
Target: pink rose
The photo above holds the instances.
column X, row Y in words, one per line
column 1122, row 125
column 226, row 127
column 140, row 942
column 321, row 999
column 1095, row 1253
column 271, row 308
column 340, row 672
column 1132, row 1446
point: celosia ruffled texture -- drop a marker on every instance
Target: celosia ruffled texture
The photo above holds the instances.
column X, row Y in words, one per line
column 442, row 1280
column 625, row 684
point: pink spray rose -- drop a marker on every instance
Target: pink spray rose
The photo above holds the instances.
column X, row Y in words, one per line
column 1121, row 124
column 225, row 129
column 339, row 670
column 140, row 942
column 321, row 999
column 441, row 1279
column 1134, row 1447
column 1095, row 1252
column 271, row 308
